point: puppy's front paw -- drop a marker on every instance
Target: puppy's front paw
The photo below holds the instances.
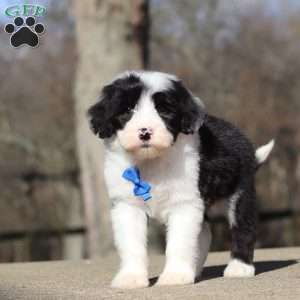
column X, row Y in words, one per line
column 130, row 280
column 176, row 278
column 237, row 268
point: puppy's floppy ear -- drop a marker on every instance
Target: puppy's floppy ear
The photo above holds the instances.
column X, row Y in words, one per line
column 99, row 114
column 192, row 110
column 193, row 117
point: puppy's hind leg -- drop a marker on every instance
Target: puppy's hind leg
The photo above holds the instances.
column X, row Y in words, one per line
column 242, row 219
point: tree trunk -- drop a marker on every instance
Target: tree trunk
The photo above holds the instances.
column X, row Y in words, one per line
column 112, row 37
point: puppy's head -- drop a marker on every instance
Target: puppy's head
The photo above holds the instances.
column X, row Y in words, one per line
column 145, row 112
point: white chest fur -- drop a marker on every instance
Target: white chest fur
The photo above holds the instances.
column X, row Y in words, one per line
column 173, row 177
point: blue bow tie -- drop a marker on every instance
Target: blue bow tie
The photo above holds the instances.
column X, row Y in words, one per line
column 141, row 188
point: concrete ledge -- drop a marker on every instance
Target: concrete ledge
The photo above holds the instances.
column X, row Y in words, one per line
column 278, row 277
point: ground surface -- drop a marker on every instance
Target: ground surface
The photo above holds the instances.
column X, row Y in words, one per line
column 278, row 277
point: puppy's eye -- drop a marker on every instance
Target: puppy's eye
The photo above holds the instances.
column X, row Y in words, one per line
column 164, row 104
column 159, row 96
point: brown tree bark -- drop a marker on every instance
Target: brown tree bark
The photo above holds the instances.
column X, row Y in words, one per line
column 112, row 37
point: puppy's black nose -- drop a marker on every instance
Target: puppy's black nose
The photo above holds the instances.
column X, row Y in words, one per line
column 145, row 134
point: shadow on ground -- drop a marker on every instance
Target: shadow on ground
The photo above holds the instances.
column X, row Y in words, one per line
column 260, row 267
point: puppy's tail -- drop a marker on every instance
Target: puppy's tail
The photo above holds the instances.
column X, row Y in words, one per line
column 263, row 152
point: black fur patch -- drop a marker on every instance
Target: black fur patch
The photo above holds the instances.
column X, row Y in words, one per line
column 178, row 109
column 227, row 158
column 227, row 165
column 114, row 109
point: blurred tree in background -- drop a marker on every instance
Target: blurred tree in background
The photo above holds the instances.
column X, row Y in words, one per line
column 112, row 37
column 241, row 58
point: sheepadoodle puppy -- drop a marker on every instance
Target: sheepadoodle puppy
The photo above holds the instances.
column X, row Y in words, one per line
column 165, row 158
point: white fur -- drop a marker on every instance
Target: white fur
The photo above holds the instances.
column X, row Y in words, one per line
column 175, row 201
column 232, row 207
column 263, row 152
column 155, row 81
column 173, row 177
column 199, row 101
column 237, row 268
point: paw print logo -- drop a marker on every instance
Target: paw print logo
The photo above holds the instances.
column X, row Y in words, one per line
column 24, row 33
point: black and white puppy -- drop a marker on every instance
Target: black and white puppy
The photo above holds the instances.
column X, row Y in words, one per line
column 151, row 123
